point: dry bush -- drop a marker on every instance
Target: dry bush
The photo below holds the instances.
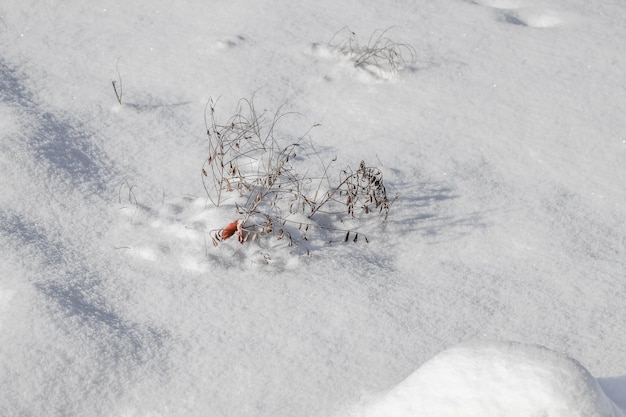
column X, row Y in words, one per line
column 282, row 187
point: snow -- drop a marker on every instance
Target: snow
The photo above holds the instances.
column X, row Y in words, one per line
column 496, row 379
column 503, row 141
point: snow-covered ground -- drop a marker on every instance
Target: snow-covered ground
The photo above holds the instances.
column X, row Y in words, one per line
column 495, row 379
column 504, row 141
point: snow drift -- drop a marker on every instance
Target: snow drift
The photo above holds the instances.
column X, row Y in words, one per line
column 486, row 379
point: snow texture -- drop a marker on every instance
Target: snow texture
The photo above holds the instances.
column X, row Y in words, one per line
column 499, row 127
column 496, row 379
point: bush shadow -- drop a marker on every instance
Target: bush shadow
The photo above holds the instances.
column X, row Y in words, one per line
column 426, row 210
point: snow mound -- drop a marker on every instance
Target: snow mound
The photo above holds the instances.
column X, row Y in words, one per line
column 495, row 379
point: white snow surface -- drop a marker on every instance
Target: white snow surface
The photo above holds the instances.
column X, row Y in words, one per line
column 504, row 142
column 485, row 379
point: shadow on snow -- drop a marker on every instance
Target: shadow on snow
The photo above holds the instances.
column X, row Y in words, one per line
column 64, row 145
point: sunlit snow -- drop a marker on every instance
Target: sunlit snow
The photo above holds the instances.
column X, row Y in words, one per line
column 497, row 126
column 495, row 379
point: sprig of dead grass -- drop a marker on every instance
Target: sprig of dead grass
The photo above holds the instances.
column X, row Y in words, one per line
column 380, row 53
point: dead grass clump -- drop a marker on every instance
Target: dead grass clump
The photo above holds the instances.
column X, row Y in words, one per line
column 380, row 53
column 275, row 188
